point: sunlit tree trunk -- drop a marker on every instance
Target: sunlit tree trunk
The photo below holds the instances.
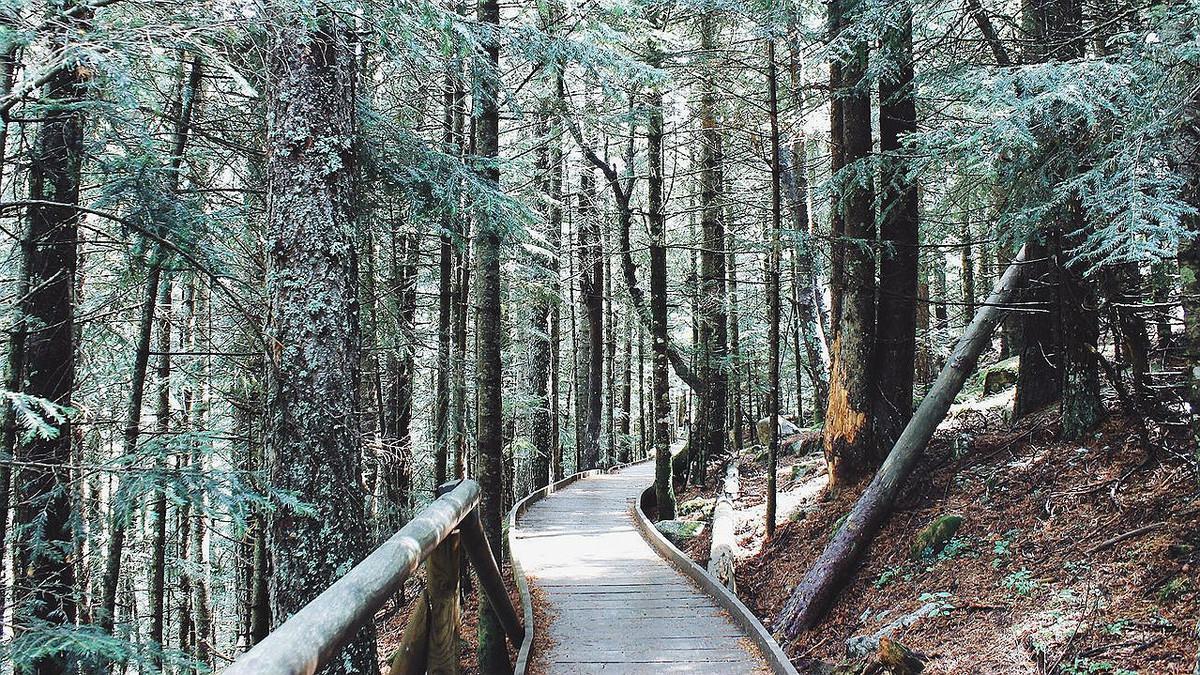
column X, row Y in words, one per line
column 713, row 327
column 313, row 331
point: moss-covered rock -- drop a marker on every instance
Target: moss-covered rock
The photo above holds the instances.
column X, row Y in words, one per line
column 933, row 537
column 679, row 531
column 786, row 429
column 999, row 377
column 700, row 505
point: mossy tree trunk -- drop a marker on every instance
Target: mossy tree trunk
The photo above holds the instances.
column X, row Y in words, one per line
column 713, row 329
column 313, row 332
column 660, row 371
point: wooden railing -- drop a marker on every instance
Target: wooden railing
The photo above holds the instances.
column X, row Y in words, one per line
column 314, row 635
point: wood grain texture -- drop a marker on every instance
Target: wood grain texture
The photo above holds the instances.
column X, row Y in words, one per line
column 616, row 606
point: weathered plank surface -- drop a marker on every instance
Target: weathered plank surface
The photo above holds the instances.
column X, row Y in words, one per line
column 616, row 606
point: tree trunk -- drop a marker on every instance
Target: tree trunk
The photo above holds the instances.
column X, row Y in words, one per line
column 712, row 321
column 554, row 187
column 661, row 397
column 162, row 414
column 44, row 536
column 540, row 364
column 441, row 418
column 896, row 342
column 968, row 270
column 807, row 303
column 200, row 330
column 492, row 651
column 313, row 329
column 812, row 597
column 1188, row 153
column 850, row 450
column 591, row 291
column 835, row 12
column 626, row 392
column 735, row 347
column 15, row 354
column 773, row 404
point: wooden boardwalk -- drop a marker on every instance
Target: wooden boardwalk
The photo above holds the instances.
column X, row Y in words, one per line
column 615, row 605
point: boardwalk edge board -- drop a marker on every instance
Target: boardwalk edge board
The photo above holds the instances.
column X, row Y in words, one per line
column 526, row 648
column 771, row 650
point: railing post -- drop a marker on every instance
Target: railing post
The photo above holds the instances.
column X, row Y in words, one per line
column 444, row 610
column 430, row 640
column 490, row 582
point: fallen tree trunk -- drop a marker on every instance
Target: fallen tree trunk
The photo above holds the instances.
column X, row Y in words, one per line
column 721, row 557
column 814, row 594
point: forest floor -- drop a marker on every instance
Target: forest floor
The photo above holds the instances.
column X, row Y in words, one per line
column 1036, row 580
column 392, row 620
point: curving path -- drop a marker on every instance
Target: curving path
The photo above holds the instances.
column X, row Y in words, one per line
column 616, row 606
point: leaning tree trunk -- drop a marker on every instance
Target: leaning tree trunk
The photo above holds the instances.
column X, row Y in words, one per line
column 313, row 332
column 816, row 591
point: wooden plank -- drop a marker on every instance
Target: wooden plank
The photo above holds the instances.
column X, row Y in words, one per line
column 617, row 606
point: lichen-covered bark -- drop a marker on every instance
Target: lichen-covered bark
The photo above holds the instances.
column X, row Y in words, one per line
column 313, row 335
column 850, row 449
column 713, row 328
column 44, row 585
column 660, row 371
column 591, row 289
column 541, row 361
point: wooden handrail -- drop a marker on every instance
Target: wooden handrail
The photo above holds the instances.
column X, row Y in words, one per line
column 314, row 635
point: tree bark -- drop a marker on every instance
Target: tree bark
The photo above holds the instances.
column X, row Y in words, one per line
column 591, row 290
column 850, row 449
column 313, row 331
column 896, row 342
column 812, row 597
column 44, row 583
column 735, row 347
column 661, row 397
column 162, row 414
column 773, row 403
column 492, row 651
column 712, row 321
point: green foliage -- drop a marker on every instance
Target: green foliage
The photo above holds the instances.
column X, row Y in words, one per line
column 1083, row 666
column 84, row 645
column 36, row 417
column 1173, row 589
column 1020, row 582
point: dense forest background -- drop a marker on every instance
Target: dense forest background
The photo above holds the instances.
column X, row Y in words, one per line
column 275, row 270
